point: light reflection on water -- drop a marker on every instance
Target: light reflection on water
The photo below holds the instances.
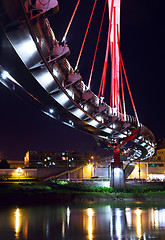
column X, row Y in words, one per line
column 17, row 222
column 94, row 222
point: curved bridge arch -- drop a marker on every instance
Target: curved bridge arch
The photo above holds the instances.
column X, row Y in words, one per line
column 43, row 75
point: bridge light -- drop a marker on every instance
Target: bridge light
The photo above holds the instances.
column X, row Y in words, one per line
column 45, row 79
column 70, row 121
column 99, row 118
column 143, row 144
column 4, row 75
column 93, row 123
column 62, row 98
column 70, row 93
column 55, row 73
column 28, row 45
column 78, row 113
column 107, row 130
column 51, row 110
column 86, row 108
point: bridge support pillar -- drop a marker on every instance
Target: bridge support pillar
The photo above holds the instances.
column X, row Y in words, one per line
column 117, row 173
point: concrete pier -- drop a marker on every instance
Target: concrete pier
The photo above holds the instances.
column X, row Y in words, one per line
column 117, row 176
column 117, row 173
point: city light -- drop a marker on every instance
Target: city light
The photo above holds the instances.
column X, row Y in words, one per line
column 90, row 166
column 19, row 171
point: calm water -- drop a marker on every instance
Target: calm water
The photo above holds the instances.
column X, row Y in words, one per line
column 83, row 222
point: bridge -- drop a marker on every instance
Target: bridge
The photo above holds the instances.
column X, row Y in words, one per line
column 34, row 65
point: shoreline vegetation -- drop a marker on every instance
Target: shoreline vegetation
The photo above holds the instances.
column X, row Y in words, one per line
column 33, row 193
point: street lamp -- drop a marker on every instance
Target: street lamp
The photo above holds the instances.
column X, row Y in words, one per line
column 19, row 171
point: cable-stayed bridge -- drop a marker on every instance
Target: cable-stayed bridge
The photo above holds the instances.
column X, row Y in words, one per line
column 35, row 66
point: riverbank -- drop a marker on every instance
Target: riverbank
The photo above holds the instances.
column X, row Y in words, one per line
column 60, row 192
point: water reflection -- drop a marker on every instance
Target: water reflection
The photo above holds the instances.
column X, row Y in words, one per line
column 138, row 223
column 17, row 222
column 128, row 214
column 68, row 216
column 91, row 223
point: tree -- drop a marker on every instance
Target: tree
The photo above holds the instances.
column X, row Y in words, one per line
column 4, row 164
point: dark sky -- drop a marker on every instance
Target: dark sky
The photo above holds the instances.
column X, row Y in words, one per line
column 142, row 45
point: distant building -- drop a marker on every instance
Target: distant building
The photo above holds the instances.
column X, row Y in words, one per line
column 161, row 155
column 45, row 159
column 16, row 163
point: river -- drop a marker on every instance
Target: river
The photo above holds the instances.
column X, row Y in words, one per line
column 83, row 222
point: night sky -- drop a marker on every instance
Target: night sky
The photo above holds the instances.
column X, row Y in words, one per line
column 25, row 128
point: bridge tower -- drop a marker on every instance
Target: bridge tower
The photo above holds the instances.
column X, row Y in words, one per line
column 117, row 172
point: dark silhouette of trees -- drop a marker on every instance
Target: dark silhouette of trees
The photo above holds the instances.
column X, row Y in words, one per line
column 161, row 143
column 4, row 164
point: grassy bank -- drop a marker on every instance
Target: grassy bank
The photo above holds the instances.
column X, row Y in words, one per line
column 33, row 192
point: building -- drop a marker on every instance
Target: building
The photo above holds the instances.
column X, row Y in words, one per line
column 153, row 169
column 161, row 155
column 16, row 163
column 45, row 159
column 13, row 164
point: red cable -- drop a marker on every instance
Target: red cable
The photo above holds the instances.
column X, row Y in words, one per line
column 121, row 75
column 121, row 109
column 105, row 72
column 128, row 86
column 89, row 82
column 111, row 74
column 103, row 79
column 100, row 85
column 64, row 37
column 122, row 86
column 127, row 83
column 85, row 36
column 114, row 59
